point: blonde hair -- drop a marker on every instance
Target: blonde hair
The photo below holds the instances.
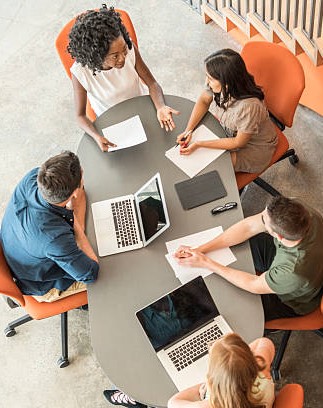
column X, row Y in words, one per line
column 232, row 372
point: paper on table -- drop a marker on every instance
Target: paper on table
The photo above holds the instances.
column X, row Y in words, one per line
column 185, row 273
column 128, row 133
column 198, row 160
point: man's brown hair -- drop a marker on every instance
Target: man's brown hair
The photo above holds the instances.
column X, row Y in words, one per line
column 59, row 176
column 288, row 218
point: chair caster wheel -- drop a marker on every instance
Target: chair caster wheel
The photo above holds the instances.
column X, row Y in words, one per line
column 9, row 332
column 276, row 375
column 293, row 159
column 63, row 362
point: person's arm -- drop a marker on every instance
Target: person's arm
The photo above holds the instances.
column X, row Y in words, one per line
column 188, row 398
column 226, row 143
column 264, row 347
column 243, row 280
column 234, row 235
column 83, row 242
column 80, row 100
column 164, row 112
column 200, row 109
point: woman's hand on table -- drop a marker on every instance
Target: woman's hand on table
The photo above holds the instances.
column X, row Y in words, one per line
column 165, row 117
column 104, row 143
column 184, row 138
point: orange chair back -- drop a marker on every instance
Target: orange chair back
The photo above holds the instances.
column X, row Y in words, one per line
column 7, row 284
column 290, row 396
column 62, row 39
column 279, row 73
column 310, row 321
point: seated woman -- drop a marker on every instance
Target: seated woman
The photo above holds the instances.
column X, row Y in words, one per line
column 109, row 70
column 240, row 108
column 238, row 376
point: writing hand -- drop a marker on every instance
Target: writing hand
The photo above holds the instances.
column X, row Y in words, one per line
column 188, row 149
column 104, row 143
column 165, row 118
column 184, row 138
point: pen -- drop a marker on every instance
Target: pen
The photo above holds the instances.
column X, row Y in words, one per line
column 186, row 134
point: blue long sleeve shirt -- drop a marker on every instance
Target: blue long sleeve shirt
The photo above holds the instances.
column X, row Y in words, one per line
column 39, row 243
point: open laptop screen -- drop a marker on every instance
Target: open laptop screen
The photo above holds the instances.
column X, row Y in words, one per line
column 178, row 313
column 152, row 210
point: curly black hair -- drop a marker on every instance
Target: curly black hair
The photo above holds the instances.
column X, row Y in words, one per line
column 92, row 35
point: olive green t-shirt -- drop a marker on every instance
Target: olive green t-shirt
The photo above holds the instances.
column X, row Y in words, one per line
column 296, row 274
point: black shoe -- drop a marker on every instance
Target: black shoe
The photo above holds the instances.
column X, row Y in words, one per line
column 116, row 397
column 11, row 303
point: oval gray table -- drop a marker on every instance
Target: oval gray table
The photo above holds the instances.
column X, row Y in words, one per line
column 131, row 280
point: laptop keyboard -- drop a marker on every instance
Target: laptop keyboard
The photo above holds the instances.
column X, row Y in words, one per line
column 193, row 349
column 124, row 223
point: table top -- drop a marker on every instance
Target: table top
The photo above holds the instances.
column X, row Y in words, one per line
column 129, row 281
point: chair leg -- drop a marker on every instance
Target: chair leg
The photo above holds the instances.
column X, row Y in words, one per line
column 292, row 157
column 319, row 332
column 279, row 355
column 267, row 187
column 10, row 329
column 63, row 361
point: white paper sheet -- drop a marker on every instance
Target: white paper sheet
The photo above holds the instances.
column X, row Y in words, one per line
column 185, row 273
column 128, row 133
column 198, row 160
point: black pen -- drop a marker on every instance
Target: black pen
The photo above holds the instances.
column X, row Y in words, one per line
column 185, row 136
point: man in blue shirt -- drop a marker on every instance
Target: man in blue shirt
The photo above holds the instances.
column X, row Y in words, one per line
column 42, row 231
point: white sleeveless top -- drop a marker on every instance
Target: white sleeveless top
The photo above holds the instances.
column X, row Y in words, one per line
column 109, row 87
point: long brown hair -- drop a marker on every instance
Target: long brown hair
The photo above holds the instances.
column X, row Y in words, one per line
column 232, row 372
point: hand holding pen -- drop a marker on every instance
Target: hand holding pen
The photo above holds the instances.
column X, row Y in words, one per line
column 184, row 138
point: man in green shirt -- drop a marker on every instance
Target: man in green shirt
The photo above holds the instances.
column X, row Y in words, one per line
column 286, row 242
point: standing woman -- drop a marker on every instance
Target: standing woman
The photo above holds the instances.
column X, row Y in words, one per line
column 238, row 377
column 109, row 69
column 239, row 107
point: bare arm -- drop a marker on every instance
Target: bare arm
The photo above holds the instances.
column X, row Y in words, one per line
column 164, row 112
column 199, row 111
column 188, row 398
column 264, row 348
column 243, row 280
column 225, row 143
column 80, row 99
column 82, row 241
column 237, row 233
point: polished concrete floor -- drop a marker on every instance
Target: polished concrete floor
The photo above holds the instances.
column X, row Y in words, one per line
column 36, row 110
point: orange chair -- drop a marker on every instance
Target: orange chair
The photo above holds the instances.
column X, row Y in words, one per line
column 37, row 310
column 290, row 396
column 62, row 41
column 312, row 321
column 282, row 79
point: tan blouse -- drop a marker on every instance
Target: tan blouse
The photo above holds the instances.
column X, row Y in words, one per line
column 249, row 116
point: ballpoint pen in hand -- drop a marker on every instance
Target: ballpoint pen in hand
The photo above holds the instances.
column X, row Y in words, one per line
column 184, row 137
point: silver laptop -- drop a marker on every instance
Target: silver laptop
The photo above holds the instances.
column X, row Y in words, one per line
column 180, row 326
column 133, row 221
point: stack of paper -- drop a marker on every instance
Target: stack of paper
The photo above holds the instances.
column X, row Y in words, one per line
column 128, row 133
column 185, row 273
column 200, row 158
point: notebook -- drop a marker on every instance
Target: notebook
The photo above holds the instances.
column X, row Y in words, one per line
column 180, row 326
column 133, row 221
column 200, row 190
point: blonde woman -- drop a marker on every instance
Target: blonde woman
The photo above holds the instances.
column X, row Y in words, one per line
column 238, row 377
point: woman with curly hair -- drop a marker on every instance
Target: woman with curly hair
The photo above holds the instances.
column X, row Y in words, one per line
column 239, row 107
column 108, row 69
column 238, row 377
